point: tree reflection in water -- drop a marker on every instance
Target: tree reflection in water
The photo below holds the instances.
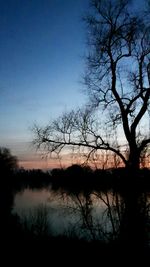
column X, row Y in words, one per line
column 108, row 215
column 112, row 216
column 99, row 212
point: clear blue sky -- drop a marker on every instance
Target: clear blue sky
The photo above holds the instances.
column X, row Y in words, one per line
column 42, row 44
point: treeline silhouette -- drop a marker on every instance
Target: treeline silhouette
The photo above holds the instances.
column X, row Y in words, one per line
column 79, row 178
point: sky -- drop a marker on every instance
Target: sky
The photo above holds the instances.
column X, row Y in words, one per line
column 42, row 44
column 42, row 48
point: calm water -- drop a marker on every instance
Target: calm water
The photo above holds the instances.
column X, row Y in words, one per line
column 85, row 215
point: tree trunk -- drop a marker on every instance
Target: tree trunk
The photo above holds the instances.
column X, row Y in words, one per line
column 133, row 163
column 133, row 220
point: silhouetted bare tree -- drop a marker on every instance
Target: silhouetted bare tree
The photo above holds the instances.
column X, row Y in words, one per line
column 117, row 76
column 8, row 162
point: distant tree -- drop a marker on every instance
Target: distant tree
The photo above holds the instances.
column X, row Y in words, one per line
column 8, row 162
column 116, row 118
column 75, row 169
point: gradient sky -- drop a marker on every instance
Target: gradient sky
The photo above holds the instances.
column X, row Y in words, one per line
column 42, row 44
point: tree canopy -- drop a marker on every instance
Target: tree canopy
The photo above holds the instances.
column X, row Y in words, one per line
column 117, row 78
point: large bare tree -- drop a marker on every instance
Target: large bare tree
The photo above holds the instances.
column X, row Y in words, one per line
column 117, row 78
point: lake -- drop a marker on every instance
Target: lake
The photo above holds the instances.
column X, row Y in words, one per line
column 85, row 215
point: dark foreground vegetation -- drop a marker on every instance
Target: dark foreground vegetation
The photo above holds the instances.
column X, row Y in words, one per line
column 19, row 239
column 36, row 243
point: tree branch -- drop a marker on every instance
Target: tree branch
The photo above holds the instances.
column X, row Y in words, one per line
column 144, row 144
column 104, row 146
column 141, row 112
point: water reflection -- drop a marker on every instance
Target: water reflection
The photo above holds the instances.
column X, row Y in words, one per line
column 105, row 216
column 89, row 215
